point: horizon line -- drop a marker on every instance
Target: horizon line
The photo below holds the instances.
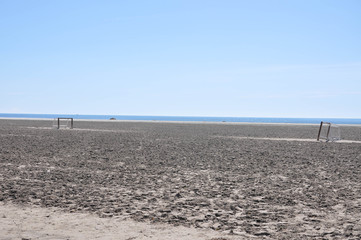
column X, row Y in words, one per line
column 187, row 116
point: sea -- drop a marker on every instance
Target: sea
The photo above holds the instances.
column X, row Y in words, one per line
column 187, row 119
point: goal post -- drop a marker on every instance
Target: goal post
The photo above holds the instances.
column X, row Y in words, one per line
column 63, row 123
column 329, row 132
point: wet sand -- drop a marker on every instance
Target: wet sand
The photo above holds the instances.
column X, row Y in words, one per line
column 234, row 181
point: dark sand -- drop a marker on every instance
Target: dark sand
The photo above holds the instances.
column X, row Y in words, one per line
column 206, row 176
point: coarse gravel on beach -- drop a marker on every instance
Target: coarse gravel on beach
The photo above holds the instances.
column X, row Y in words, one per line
column 226, row 178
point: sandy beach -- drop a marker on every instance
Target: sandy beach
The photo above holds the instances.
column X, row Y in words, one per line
column 157, row 180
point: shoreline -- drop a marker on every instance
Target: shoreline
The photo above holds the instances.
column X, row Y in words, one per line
column 182, row 122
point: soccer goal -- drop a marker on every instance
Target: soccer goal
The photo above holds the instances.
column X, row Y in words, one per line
column 64, row 123
column 329, row 132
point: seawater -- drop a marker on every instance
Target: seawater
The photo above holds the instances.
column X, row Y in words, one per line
column 187, row 119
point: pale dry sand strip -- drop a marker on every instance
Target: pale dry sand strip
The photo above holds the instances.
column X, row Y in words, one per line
column 83, row 129
column 292, row 139
column 24, row 222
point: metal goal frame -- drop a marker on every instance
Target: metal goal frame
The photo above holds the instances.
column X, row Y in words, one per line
column 329, row 136
column 71, row 122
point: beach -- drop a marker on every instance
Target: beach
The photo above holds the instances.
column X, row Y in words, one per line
column 174, row 180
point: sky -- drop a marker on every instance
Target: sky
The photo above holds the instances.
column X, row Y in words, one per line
column 231, row 58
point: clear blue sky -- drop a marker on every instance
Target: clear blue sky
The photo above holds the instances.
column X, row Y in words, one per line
column 255, row 58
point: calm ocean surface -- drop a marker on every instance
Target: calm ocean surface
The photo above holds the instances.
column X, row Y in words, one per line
column 187, row 119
